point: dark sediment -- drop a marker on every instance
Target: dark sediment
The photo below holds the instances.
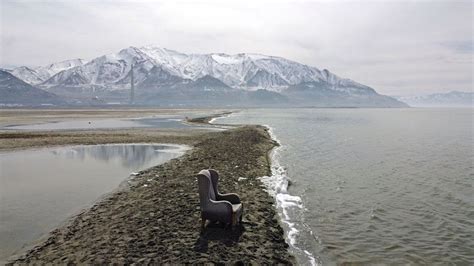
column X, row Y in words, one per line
column 157, row 218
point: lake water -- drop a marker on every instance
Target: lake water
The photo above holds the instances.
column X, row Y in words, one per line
column 373, row 186
column 41, row 188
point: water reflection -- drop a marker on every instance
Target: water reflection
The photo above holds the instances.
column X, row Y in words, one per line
column 41, row 188
column 129, row 156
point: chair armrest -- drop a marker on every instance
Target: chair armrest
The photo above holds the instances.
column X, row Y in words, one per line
column 230, row 197
column 221, row 206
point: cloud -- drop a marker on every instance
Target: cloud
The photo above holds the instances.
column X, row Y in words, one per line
column 397, row 47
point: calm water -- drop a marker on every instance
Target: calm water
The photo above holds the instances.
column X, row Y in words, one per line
column 39, row 189
column 378, row 186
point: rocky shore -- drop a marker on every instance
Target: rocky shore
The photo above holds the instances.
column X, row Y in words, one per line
column 155, row 217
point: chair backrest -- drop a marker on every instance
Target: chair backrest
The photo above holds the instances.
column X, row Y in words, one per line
column 206, row 191
column 214, row 180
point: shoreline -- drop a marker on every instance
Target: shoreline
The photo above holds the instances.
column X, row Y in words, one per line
column 21, row 140
column 40, row 229
column 159, row 223
column 277, row 184
column 206, row 120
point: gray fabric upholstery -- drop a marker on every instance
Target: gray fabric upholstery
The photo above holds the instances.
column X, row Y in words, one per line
column 214, row 206
column 230, row 197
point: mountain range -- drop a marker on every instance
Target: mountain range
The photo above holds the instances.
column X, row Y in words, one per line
column 166, row 77
column 448, row 99
column 15, row 91
column 37, row 75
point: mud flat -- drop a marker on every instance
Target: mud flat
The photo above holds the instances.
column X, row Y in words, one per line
column 155, row 218
column 28, row 116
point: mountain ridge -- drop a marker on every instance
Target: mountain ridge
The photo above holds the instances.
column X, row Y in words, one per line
column 39, row 74
column 15, row 91
column 157, row 70
column 234, row 70
column 445, row 99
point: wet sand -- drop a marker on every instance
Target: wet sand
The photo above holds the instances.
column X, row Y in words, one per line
column 156, row 218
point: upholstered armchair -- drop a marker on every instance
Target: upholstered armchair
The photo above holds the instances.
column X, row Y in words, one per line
column 225, row 208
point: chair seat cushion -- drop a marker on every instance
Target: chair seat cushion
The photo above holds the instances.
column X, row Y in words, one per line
column 236, row 207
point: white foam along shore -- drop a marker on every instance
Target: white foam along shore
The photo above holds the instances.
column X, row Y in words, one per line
column 212, row 120
column 277, row 186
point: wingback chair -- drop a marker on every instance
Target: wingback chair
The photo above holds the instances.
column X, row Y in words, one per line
column 225, row 208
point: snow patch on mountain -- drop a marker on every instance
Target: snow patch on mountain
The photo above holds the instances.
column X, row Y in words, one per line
column 155, row 67
column 37, row 75
column 226, row 59
column 63, row 65
column 30, row 75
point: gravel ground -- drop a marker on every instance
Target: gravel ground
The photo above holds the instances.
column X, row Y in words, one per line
column 155, row 218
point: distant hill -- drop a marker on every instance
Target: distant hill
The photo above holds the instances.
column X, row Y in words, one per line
column 16, row 91
column 163, row 76
column 449, row 99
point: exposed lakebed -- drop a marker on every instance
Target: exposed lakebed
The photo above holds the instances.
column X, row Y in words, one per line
column 165, row 122
column 41, row 188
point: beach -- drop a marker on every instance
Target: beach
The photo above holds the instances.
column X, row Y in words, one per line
column 155, row 218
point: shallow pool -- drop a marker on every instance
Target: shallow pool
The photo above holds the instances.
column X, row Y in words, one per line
column 41, row 188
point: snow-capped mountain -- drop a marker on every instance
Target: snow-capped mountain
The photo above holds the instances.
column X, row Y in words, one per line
column 37, row 75
column 161, row 75
column 449, row 99
column 31, row 75
column 245, row 71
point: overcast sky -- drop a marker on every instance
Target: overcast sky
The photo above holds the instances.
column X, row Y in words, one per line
column 396, row 47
